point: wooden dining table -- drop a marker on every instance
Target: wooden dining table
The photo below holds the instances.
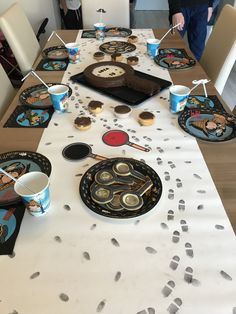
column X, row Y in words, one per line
column 220, row 158
column 177, row 256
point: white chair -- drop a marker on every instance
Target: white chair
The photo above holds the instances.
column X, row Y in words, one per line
column 20, row 37
column 220, row 52
column 7, row 91
column 117, row 13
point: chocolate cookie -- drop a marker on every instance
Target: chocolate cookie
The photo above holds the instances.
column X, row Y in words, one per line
column 132, row 39
column 95, row 106
column 82, row 123
column 99, row 55
column 146, row 118
column 132, row 60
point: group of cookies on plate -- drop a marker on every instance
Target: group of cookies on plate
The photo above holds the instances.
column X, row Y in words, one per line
column 145, row 118
column 132, row 60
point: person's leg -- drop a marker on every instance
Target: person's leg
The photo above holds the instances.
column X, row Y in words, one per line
column 197, row 30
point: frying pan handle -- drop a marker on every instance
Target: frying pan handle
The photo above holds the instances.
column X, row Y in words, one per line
column 98, row 157
column 144, row 149
column 139, row 84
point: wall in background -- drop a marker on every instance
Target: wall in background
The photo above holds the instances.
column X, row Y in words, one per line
column 36, row 11
column 151, row 5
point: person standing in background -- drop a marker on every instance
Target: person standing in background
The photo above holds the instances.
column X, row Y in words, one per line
column 193, row 16
column 71, row 13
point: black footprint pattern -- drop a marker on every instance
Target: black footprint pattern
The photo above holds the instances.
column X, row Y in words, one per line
column 164, row 225
column 151, row 250
column 160, row 150
column 35, row 275
column 184, row 225
column 174, row 306
column 174, row 262
column 219, row 227
column 171, row 194
column 188, row 275
column 171, row 164
column 167, row 176
column 117, row 276
column 168, row 288
column 159, row 161
column 181, row 205
column 64, row 297
column 189, row 249
column 175, row 236
column 86, row 256
column 101, row 306
column 179, row 183
column 225, row 275
column 170, row 215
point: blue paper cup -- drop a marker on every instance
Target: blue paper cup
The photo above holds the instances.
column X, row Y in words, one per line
column 73, row 52
column 100, row 29
column 153, row 45
column 59, row 97
column 178, row 97
column 36, row 203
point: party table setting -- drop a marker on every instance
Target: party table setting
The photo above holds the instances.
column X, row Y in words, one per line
column 126, row 217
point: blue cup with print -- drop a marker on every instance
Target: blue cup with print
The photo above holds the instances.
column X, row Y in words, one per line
column 153, row 45
column 33, row 187
column 73, row 52
column 100, row 29
column 59, row 97
column 178, row 97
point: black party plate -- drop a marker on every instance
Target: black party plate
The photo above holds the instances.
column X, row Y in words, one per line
column 174, row 59
column 55, row 53
column 18, row 163
column 211, row 102
column 208, row 125
column 123, row 93
column 110, row 32
column 52, row 65
column 37, row 96
column 117, row 47
column 151, row 198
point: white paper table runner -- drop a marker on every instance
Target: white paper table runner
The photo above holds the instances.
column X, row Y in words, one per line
column 73, row 261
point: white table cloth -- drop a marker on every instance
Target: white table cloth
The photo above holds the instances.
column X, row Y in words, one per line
column 179, row 257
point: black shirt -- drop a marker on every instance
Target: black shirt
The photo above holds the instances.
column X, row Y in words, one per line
column 176, row 5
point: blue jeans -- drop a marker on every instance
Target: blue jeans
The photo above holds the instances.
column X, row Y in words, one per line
column 196, row 28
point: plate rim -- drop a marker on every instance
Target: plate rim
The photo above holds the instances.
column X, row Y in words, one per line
column 23, row 101
column 210, row 111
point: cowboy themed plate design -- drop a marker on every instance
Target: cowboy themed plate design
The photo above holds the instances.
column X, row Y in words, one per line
column 208, row 125
column 10, row 221
column 18, row 163
column 174, row 59
column 24, row 116
column 202, row 102
column 120, row 188
column 52, row 65
column 117, row 46
column 55, row 53
column 37, row 96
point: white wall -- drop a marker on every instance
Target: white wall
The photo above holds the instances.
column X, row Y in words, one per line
column 36, row 11
column 151, row 5
column 117, row 12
